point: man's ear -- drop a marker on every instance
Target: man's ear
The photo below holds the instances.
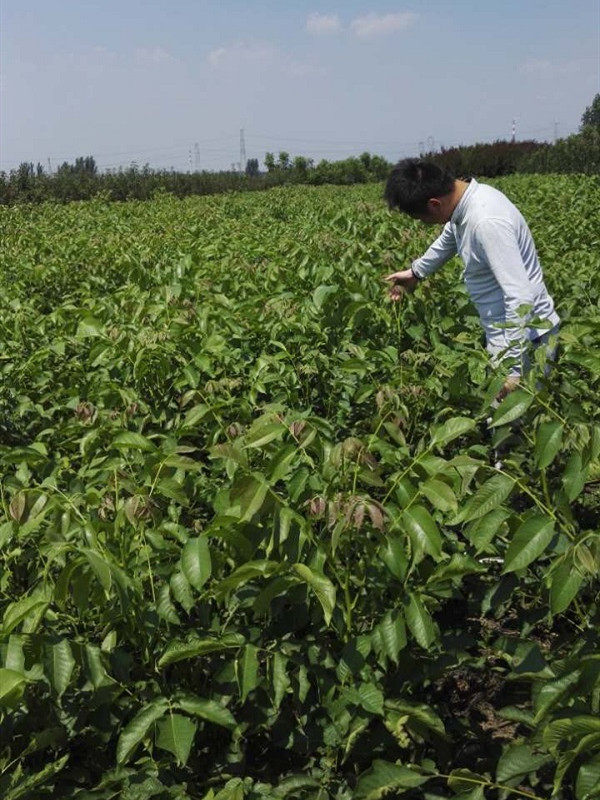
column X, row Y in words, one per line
column 434, row 204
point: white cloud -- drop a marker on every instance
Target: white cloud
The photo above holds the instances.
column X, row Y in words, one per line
column 323, row 23
column 240, row 54
column 536, row 66
column 302, row 69
column 542, row 67
column 374, row 25
column 153, row 55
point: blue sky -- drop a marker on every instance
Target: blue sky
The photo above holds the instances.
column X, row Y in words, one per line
column 133, row 80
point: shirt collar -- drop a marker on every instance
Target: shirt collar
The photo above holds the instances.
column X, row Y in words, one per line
column 458, row 214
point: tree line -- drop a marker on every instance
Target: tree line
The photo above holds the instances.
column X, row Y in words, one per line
column 82, row 180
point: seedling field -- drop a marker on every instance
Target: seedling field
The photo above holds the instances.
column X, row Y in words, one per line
column 254, row 543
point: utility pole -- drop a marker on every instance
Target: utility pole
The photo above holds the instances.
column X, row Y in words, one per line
column 190, row 156
column 555, row 131
column 197, row 157
column 49, row 166
column 514, row 130
column 242, row 150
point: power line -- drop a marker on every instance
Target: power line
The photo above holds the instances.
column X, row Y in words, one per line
column 146, row 150
column 315, row 146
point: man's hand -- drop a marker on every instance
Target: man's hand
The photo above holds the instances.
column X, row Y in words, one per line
column 403, row 281
column 510, row 384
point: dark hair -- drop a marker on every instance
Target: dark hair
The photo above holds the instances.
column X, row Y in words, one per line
column 413, row 181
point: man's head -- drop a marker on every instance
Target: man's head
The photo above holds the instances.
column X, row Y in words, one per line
column 422, row 190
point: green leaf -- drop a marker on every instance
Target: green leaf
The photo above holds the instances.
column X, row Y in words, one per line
column 176, row 735
column 22, row 789
column 454, row 570
column 230, row 451
column 588, row 743
column 530, row 540
column 164, row 605
column 469, row 785
column 247, row 671
column 321, row 293
column 419, row 713
column 419, row 622
column 481, row 531
column 516, row 762
column 99, row 567
column 321, row 586
column 248, row 571
column 280, row 679
column 384, row 777
column 210, row 710
column 247, row 497
column 137, row 729
column 183, row 462
column 192, row 648
column 281, row 464
column 371, row 698
column 26, row 608
column 565, row 582
column 451, row 429
column 548, row 440
column 95, row 667
column 548, row 696
column 392, row 635
column 59, row 665
column 129, row 440
column 17, row 506
column 264, row 430
column 574, row 476
column 195, row 415
column 171, row 488
column 15, row 657
column 394, row 557
column 488, row 496
column 196, row 562
column 181, row 591
column 587, row 784
column 423, row 531
column 512, row 407
column 89, row 326
column 439, row 494
column 12, row 685
column 233, row 790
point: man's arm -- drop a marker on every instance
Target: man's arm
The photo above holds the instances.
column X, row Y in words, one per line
column 497, row 242
column 435, row 256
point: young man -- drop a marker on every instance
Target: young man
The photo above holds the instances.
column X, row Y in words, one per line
column 502, row 271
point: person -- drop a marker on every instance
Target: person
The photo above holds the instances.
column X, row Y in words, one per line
column 502, row 272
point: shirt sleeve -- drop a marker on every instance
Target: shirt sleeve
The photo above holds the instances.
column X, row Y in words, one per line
column 437, row 254
column 496, row 242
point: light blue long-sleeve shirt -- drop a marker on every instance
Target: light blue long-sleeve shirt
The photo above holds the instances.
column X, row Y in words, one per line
column 502, row 271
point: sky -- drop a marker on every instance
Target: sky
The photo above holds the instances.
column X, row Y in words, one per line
column 172, row 82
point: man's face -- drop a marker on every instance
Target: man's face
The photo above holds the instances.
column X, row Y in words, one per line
column 434, row 214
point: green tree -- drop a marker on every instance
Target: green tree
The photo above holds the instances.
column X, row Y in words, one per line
column 252, row 169
column 591, row 116
column 284, row 160
column 269, row 162
column 302, row 164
